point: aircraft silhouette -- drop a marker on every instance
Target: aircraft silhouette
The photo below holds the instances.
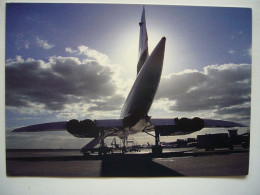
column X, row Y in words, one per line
column 134, row 114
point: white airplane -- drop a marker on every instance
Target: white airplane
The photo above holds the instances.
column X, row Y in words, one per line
column 134, row 115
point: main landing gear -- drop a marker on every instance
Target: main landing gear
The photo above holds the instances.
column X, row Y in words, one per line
column 157, row 148
column 103, row 149
column 124, row 146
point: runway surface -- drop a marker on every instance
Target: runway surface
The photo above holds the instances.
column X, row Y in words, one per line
column 174, row 162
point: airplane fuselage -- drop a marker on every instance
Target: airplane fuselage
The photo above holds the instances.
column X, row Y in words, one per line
column 144, row 88
column 134, row 114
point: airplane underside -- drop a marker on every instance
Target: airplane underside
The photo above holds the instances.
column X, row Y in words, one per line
column 134, row 114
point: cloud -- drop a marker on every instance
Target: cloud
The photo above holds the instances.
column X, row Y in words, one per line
column 249, row 51
column 231, row 51
column 76, row 87
column 21, row 42
column 56, row 84
column 90, row 53
column 69, row 50
column 241, row 110
column 43, row 43
column 237, row 34
column 26, row 45
column 110, row 103
column 223, row 89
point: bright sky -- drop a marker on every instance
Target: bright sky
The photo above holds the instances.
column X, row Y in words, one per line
column 67, row 61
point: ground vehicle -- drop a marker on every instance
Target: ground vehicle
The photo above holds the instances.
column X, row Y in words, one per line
column 212, row 141
column 245, row 141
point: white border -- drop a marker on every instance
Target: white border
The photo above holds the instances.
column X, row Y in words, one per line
column 194, row 185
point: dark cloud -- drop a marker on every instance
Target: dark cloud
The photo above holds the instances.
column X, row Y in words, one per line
column 111, row 103
column 60, row 81
column 239, row 110
column 223, row 88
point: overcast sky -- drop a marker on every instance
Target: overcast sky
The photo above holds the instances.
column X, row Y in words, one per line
column 67, row 61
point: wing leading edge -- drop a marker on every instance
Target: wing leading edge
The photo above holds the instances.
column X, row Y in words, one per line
column 165, row 127
column 183, row 126
column 54, row 126
column 86, row 128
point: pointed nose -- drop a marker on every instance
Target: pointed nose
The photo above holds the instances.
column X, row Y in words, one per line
column 155, row 60
column 160, row 47
column 162, row 43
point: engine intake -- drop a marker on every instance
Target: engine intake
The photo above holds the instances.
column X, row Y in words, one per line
column 84, row 129
column 190, row 125
column 182, row 126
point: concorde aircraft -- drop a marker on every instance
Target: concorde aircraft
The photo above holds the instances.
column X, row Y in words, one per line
column 134, row 114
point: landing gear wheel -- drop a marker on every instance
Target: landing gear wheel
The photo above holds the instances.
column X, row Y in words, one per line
column 86, row 154
column 102, row 151
column 157, row 150
column 231, row 147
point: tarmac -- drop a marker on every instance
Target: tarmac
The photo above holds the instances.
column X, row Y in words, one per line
column 173, row 162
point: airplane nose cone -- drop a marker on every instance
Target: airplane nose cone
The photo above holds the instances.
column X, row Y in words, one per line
column 155, row 60
column 159, row 49
column 143, row 91
column 161, row 42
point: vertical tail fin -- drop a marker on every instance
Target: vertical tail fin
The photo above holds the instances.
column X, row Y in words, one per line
column 143, row 43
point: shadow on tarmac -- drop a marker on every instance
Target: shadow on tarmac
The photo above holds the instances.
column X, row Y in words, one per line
column 112, row 165
column 135, row 168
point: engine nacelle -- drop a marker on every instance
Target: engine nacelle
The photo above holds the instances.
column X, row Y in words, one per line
column 182, row 126
column 189, row 125
column 84, row 129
